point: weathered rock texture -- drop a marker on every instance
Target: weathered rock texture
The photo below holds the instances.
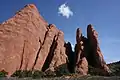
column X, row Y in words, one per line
column 57, row 57
column 28, row 42
column 81, row 62
column 95, row 55
column 88, row 52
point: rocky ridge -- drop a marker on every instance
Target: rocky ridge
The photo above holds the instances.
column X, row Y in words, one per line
column 28, row 42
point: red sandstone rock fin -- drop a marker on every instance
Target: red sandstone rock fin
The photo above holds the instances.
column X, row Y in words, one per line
column 26, row 25
column 81, row 62
column 59, row 57
column 52, row 31
column 96, row 52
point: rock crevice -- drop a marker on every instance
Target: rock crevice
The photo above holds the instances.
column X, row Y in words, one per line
column 41, row 44
column 22, row 56
column 50, row 54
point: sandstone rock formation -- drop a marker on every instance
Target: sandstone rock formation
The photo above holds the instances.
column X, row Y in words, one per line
column 28, row 42
column 96, row 56
column 27, row 39
column 81, row 62
column 87, row 52
column 57, row 57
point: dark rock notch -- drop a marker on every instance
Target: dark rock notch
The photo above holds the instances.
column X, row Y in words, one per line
column 71, row 58
column 50, row 55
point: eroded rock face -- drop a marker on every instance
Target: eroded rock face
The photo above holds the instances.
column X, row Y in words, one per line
column 88, row 52
column 97, row 59
column 20, row 39
column 45, row 47
column 81, row 62
column 26, row 40
column 57, row 57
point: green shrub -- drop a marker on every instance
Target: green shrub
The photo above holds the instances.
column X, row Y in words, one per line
column 94, row 71
column 38, row 74
column 62, row 70
column 22, row 73
column 115, row 69
column 50, row 73
column 26, row 73
column 3, row 73
column 17, row 73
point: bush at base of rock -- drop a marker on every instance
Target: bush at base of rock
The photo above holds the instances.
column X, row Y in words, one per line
column 38, row 74
column 50, row 73
column 3, row 73
column 61, row 70
column 25, row 73
column 115, row 68
column 22, row 73
column 34, row 74
column 94, row 71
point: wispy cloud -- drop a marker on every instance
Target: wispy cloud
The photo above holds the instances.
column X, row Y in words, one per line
column 65, row 11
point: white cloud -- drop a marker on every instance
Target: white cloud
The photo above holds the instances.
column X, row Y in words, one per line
column 65, row 11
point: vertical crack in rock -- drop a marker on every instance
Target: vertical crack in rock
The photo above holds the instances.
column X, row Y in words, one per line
column 50, row 54
column 22, row 56
column 26, row 65
column 57, row 59
column 40, row 48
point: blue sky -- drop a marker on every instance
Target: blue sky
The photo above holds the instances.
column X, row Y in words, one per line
column 103, row 14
